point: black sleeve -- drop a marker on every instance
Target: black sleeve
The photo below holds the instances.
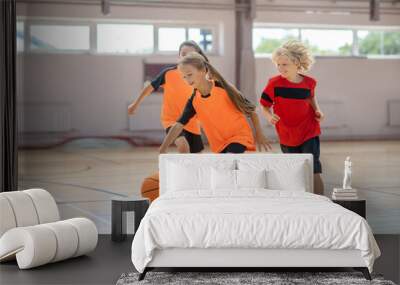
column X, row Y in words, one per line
column 160, row 78
column 266, row 97
column 189, row 111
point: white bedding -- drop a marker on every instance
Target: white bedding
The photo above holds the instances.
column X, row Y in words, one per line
column 252, row 218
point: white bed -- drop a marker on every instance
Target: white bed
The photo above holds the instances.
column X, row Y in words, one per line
column 201, row 219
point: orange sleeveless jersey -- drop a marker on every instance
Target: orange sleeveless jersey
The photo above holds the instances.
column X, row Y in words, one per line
column 176, row 94
column 222, row 122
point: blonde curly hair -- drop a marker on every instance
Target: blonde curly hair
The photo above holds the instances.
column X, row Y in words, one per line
column 297, row 52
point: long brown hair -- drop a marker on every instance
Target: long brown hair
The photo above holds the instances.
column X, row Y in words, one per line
column 193, row 45
column 199, row 62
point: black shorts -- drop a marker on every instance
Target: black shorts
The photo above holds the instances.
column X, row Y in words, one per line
column 234, row 148
column 194, row 140
column 309, row 146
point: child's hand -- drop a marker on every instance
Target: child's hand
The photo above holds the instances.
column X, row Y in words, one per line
column 319, row 116
column 263, row 142
column 273, row 119
column 162, row 150
column 132, row 108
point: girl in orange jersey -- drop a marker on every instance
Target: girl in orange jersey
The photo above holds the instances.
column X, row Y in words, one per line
column 176, row 94
column 220, row 108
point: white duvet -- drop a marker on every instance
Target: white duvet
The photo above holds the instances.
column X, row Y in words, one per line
column 253, row 218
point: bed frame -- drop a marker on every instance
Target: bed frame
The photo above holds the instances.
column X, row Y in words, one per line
column 241, row 259
column 246, row 259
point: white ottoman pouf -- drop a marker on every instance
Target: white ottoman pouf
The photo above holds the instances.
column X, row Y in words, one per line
column 31, row 233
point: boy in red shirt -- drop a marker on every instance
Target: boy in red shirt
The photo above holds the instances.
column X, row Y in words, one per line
column 296, row 113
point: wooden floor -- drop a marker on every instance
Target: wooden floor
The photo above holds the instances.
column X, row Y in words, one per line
column 83, row 180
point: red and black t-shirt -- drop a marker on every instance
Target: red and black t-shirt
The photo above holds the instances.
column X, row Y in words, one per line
column 291, row 102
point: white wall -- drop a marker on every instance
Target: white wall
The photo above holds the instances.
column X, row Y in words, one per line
column 97, row 88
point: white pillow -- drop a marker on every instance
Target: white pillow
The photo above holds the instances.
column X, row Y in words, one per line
column 282, row 174
column 183, row 177
column 228, row 179
column 193, row 175
column 223, row 179
column 295, row 179
column 251, row 178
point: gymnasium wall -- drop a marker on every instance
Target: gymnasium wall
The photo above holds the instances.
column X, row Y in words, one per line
column 92, row 92
column 66, row 95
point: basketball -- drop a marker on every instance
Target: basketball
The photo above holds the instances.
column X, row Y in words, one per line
column 150, row 187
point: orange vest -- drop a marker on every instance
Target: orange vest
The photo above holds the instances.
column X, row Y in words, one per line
column 176, row 94
column 222, row 122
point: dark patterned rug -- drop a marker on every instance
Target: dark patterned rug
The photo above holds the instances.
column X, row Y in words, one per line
column 243, row 278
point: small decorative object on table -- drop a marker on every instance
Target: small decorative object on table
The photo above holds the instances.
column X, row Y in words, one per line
column 347, row 192
column 119, row 209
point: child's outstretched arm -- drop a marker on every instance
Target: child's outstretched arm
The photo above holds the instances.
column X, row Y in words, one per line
column 319, row 116
column 173, row 133
column 262, row 141
column 145, row 92
column 188, row 113
column 271, row 118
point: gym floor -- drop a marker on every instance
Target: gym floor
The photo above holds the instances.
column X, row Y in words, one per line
column 85, row 175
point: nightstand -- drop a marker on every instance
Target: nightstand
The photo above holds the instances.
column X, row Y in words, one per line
column 357, row 206
column 118, row 206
